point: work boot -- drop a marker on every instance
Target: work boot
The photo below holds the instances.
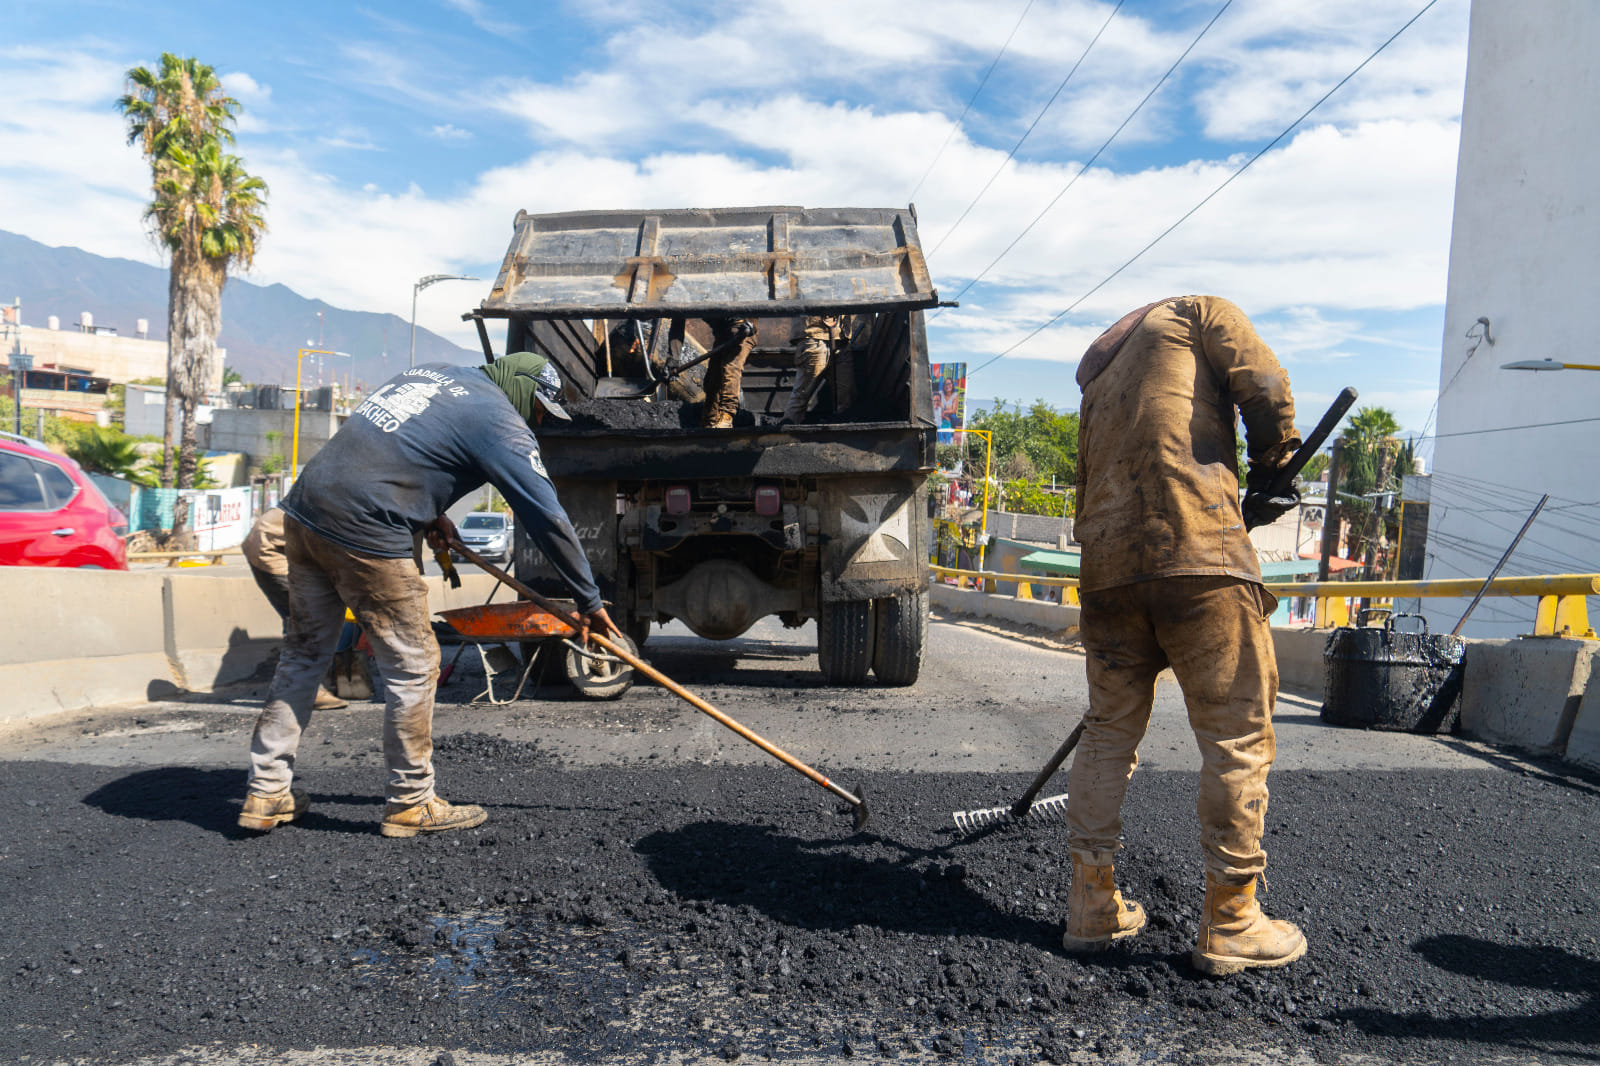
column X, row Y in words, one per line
column 430, row 816
column 1235, row 935
column 262, row 813
column 1096, row 912
column 327, row 701
column 719, row 420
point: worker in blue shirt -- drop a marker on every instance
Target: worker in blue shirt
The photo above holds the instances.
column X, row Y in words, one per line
column 355, row 515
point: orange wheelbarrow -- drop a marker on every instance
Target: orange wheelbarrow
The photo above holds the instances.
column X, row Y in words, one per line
column 596, row 674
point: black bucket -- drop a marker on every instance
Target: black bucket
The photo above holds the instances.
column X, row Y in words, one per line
column 1381, row 678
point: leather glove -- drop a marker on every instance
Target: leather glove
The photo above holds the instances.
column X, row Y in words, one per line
column 1262, row 507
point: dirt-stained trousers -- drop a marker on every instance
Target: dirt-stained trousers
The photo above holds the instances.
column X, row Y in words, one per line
column 390, row 601
column 1213, row 632
column 810, row 360
column 724, row 380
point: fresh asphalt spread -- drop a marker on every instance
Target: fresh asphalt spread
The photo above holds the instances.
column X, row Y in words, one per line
column 642, row 913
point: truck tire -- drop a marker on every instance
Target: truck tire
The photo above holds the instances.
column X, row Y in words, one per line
column 638, row 630
column 902, row 636
column 845, row 636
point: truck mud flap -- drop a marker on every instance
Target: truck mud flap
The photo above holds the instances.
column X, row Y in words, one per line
column 874, row 537
column 592, row 507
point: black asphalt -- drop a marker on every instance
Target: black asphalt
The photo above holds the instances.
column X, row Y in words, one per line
column 707, row 910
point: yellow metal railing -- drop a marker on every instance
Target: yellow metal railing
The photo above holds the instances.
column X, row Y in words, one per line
column 1562, row 611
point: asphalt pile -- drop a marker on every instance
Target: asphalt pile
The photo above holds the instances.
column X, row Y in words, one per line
column 712, row 911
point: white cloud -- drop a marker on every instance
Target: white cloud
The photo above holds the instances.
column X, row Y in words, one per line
column 245, row 89
column 1344, row 218
column 478, row 12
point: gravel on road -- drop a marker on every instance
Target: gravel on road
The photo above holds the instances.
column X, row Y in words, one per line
column 714, row 911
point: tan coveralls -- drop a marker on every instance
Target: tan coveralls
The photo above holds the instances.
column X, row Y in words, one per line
column 812, row 349
column 1169, row 575
column 724, row 377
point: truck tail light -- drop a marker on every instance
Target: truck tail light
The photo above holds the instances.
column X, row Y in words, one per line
column 768, row 500
column 678, row 499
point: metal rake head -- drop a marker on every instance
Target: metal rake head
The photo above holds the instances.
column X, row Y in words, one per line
column 1051, row 808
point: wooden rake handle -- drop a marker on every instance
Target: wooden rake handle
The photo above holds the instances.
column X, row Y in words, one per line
column 856, row 800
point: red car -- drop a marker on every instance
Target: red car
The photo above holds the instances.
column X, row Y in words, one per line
column 51, row 514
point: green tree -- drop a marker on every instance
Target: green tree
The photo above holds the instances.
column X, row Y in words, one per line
column 231, row 376
column 1371, row 462
column 1046, row 437
column 104, row 450
column 206, row 211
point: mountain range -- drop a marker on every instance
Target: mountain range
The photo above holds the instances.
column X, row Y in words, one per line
column 262, row 325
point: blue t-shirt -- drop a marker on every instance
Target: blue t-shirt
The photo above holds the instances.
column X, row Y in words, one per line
column 425, row 439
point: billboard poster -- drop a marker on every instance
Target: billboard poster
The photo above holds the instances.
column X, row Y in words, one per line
column 949, row 400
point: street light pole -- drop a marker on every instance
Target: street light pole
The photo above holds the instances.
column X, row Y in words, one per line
column 423, row 283
column 1547, row 364
column 294, row 448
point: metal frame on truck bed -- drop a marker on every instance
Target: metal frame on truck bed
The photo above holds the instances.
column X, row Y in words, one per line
column 823, row 519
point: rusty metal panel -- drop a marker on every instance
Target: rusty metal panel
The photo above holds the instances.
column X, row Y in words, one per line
column 874, row 537
column 754, row 261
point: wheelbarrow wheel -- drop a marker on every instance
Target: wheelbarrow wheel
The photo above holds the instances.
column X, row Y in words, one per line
column 598, row 678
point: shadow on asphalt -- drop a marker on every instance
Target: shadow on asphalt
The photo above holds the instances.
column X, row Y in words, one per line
column 828, row 885
column 210, row 800
column 1544, row 968
column 1549, row 770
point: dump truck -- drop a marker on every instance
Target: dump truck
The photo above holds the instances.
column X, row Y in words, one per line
column 825, row 519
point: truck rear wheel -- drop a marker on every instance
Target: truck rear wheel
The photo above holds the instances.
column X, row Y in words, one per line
column 845, row 637
column 902, row 635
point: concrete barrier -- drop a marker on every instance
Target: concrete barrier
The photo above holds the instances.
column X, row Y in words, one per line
column 1583, row 746
column 78, row 639
column 1525, row 693
column 1299, row 650
column 1051, row 616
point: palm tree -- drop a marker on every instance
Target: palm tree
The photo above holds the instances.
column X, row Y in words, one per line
column 103, row 450
column 1368, row 466
column 206, row 211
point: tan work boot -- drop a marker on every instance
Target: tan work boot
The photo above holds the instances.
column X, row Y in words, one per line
column 1097, row 914
column 327, row 701
column 719, row 420
column 1235, row 935
column 431, row 816
column 262, row 813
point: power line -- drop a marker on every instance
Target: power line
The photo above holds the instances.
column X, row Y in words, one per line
column 1226, row 182
column 1098, row 151
column 1471, row 432
column 1025, row 133
column 981, row 83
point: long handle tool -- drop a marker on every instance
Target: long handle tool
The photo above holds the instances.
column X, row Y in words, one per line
column 1283, row 482
column 1051, row 807
column 857, row 800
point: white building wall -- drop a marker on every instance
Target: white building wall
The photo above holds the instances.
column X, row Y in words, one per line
column 1525, row 254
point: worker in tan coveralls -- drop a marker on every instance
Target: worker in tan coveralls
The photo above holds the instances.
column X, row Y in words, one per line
column 812, row 349
column 1169, row 578
column 733, row 339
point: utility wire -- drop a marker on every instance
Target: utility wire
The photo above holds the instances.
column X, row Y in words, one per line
column 1025, row 133
column 1098, row 152
column 1226, row 182
column 981, row 83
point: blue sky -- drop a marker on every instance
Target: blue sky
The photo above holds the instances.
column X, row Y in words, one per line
column 400, row 140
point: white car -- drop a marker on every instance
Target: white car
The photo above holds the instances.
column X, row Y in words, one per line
column 489, row 534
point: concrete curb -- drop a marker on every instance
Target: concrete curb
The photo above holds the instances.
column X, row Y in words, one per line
column 1299, row 651
column 82, row 639
column 1539, row 695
